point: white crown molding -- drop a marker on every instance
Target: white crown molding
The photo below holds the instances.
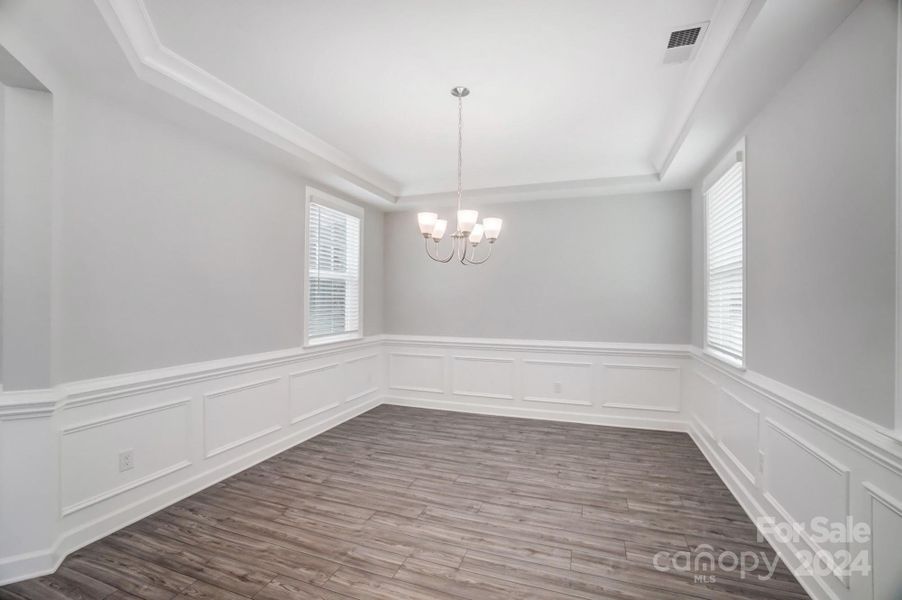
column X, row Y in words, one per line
column 159, row 66
column 556, row 190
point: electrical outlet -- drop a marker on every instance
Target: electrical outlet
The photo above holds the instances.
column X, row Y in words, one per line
column 557, row 387
column 126, row 460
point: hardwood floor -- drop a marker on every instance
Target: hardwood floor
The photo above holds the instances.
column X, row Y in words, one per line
column 409, row 504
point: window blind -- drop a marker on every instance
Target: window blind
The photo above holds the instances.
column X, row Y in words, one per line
column 724, row 268
column 333, row 262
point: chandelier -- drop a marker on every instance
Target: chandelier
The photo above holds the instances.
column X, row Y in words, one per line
column 469, row 234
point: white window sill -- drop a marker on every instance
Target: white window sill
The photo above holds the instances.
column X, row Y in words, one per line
column 333, row 339
column 732, row 361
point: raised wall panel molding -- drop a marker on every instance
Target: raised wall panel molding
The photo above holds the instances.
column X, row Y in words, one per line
column 399, row 362
column 836, row 450
column 72, row 508
column 885, row 519
column 242, row 439
column 859, row 433
column 548, row 400
column 543, row 375
column 365, row 387
column 70, row 429
column 757, row 507
column 297, row 417
column 359, row 395
column 797, row 485
column 351, row 361
column 652, row 392
column 112, row 489
column 484, row 377
column 161, row 414
column 740, row 439
column 710, row 409
column 159, row 66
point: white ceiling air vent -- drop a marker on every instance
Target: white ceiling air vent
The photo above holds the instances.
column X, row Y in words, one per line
column 684, row 43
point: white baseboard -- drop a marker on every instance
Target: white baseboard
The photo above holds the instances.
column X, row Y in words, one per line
column 541, row 414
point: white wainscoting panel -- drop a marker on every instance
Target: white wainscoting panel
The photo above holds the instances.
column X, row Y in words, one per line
column 314, row 390
column 886, row 543
column 237, row 415
column 416, row 372
column 361, row 376
column 541, row 380
column 783, row 454
column 483, row 377
column 803, row 482
column 89, row 452
column 641, row 387
column 557, row 382
column 704, row 403
column 738, row 429
column 818, row 463
column 187, row 427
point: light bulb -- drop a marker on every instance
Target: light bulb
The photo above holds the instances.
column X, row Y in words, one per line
column 476, row 235
column 438, row 231
column 492, row 226
column 427, row 222
column 466, row 219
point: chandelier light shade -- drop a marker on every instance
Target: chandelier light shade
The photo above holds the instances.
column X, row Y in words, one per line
column 469, row 233
column 427, row 222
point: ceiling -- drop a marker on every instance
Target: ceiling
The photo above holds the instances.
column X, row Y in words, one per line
column 569, row 98
column 557, row 94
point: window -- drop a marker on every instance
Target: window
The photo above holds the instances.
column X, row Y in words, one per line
column 333, row 284
column 724, row 261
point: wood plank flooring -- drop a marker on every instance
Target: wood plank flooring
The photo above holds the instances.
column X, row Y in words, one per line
column 409, row 504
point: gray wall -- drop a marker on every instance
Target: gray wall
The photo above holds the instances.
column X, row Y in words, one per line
column 821, row 214
column 27, row 139
column 612, row 269
column 173, row 248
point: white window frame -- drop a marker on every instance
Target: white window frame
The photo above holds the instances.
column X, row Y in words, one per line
column 736, row 154
column 314, row 195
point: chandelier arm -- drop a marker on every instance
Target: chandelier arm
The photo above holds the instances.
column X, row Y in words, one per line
column 473, row 260
column 463, row 251
column 436, row 258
